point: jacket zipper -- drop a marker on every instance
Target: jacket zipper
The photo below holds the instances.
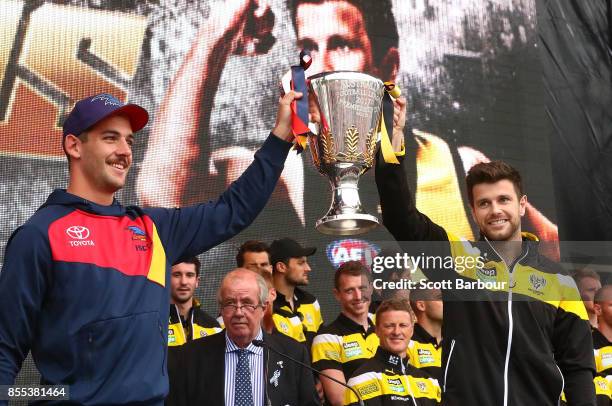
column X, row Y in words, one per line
column 562, row 382
column 450, row 354
column 510, row 318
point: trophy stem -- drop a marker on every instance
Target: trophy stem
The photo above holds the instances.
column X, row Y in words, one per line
column 345, row 215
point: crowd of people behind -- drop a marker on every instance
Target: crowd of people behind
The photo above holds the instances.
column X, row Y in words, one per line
column 385, row 345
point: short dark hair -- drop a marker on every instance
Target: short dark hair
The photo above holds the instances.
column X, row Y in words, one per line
column 379, row 23
column 195, row 261
column 251, row 246
column 388, row 305
column 491, row 172
column 352, row 268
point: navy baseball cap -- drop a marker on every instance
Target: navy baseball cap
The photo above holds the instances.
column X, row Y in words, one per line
column 89, row 111
column 285, row 248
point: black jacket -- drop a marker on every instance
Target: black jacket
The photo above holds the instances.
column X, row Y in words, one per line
column 199, row 373
column 524, row 343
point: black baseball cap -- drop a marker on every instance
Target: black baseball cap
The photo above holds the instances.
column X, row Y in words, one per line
column 89, row 111
column 285, row 248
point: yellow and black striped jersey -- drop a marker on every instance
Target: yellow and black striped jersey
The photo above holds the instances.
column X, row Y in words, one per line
column 424, row 352
column 300, row 323
column 344, row 345
column 602, row 350
column 388, row 380
column 198, row 324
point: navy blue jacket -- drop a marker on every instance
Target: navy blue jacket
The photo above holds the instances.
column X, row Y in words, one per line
column 84, row 286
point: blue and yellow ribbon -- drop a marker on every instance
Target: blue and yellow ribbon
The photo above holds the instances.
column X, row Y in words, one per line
column 386, row 124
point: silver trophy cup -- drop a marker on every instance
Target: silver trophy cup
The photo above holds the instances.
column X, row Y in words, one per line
column 350, row 106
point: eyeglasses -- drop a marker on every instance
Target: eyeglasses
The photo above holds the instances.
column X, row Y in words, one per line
column 233, row 308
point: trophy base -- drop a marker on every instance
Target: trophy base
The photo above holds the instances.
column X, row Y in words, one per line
column 346, row 224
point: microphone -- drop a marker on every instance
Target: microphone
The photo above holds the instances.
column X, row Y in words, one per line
column 261, row 343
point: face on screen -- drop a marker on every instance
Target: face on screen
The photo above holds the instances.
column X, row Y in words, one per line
column 335, row 34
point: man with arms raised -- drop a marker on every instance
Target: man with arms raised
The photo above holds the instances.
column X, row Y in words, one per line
column 234, row 368
column 342, row 346
column 85, row 280
column 523, row 343
column 387, row 379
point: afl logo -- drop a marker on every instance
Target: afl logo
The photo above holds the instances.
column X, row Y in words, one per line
column 77, row 232
column 341, row 251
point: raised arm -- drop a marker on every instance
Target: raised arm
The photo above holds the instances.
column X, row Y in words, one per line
column 192, row 230
column 399, row 211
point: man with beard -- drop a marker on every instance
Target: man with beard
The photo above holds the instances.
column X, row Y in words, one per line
column 187, row 320
column 342, row 346
column 526, row 338
column 297, row 313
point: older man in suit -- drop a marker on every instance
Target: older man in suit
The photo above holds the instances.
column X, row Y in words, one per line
column 234, row 368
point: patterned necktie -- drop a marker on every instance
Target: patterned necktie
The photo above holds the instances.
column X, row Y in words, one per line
column 243, row 395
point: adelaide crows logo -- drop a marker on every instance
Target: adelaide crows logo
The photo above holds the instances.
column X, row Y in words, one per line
column 137, row 233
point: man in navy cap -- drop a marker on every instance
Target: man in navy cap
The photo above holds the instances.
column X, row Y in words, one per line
column 85, row 280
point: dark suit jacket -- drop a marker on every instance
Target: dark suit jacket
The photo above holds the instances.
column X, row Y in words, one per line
column 197, row 373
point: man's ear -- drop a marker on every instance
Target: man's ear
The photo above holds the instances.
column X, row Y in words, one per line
column 280, row 267
column 597, row 309
column 389, row 65
column 522, row 205
column 72, row 146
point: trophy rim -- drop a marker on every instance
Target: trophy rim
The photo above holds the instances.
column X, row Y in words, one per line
column 329, row 73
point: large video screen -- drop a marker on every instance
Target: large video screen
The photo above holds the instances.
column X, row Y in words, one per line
column 208, row 72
